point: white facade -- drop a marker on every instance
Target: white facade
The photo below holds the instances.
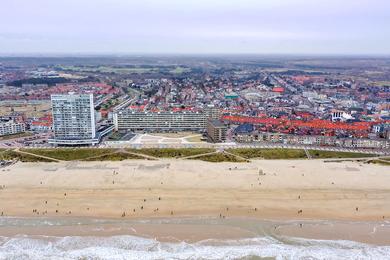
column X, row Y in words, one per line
column 165, row 121
column 73, row 119
column 340, row 115
column 11, row 127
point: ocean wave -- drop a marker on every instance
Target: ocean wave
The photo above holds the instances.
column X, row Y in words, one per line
column 131, row 247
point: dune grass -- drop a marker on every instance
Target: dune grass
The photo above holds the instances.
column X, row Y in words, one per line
column 119, row 156
column 12, row 155
column 330, row 154
column 70, row 154
column 219, row 157
column 252, row 153
column 171, row 152
column 380, row 162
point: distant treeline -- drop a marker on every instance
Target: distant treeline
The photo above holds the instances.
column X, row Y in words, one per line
column 48, row 81
column 300, row 72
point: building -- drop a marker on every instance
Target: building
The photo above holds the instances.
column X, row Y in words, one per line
column 313, row 140
column 231, row 95
column 73, row 120
column 340, row 116
column 43, row 124
column 10, row 127
column 212, row 112
column 216, row 131
column 159, row 121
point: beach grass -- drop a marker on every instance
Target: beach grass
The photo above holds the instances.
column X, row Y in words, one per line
column 107, row 154
column 219, row 157
column 118, row 156
column 70, row 154
column 10, row 155
column 253, row 153
column 380, row 162
column 316, row 154
column 171, row 152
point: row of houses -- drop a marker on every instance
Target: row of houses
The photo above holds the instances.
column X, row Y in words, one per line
column 311, row 140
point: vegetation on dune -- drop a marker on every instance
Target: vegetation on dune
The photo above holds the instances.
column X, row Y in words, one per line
column 219, row 157
column 12, row 155
column 251, row 153
column 119, row 156
column 70, row 154
column 171, row 152
column 316, row 154
column 111, row 154
column 380, row 162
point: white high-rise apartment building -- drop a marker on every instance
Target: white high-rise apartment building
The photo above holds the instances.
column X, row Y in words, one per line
column 73, row 119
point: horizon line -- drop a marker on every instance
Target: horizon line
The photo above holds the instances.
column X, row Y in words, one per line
column 179, row 54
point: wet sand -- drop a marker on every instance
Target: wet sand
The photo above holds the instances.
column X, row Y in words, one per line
column 193, row 230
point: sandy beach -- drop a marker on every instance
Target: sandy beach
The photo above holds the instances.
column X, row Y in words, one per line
column 274, row 189
column 185, row 209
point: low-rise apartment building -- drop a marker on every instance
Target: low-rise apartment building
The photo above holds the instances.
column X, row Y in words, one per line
column 312, row 140
column 9, row 127
column 216, row 131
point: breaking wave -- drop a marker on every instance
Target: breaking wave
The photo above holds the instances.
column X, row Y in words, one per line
column 132, row 247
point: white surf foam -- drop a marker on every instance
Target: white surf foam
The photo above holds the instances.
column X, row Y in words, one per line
column 130, row 247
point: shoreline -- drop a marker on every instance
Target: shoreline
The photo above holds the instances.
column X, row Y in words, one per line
column 199, row 229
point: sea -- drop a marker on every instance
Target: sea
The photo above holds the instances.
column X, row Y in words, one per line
column 41, row 238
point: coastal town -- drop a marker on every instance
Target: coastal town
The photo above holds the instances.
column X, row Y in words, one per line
column 224, row 101
column 198, row 129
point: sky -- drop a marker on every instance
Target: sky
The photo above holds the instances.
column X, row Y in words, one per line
column 346, row 27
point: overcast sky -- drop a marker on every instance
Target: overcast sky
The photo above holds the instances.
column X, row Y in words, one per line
column 195, row 26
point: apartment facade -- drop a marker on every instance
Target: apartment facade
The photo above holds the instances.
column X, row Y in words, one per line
column 312, row 140
column 159, row 121
column 10, row 127
column 216, row 131
column 73, row 119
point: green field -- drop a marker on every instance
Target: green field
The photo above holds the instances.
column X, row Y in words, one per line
column 180, row 70
column 328, row 154
column 253, row 153
column 171, row 152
